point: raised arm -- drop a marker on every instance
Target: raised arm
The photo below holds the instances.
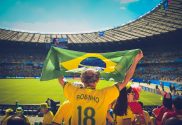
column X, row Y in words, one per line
column 61, row 81
column 131, row 71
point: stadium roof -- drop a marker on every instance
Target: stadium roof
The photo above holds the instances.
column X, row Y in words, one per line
column 156, row 22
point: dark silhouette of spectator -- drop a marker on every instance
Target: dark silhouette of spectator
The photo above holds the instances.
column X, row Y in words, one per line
column 17, row 120
column 156, row 87
column 52, row 104
column 173, row 121
column 170, row 88
column 166, row 107
column 162, row 85
column 8, row 113
column 177, row 113
column 20, row 113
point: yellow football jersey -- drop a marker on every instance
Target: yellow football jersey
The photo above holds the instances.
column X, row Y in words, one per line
column 89, row 105
column 4, row 120
column 64, row 114
column 119, row 119
column 147, row 117
column 48, row 117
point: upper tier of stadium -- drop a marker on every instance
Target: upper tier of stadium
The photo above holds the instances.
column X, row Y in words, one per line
column 156, row 22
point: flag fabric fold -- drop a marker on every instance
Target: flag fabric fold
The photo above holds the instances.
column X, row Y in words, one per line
column 63, row 62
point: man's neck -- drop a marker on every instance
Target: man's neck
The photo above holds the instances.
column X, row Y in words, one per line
column 91, row 86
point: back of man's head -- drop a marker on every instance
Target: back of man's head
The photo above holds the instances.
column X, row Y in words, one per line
column 9, row 112
column 173, row 121
column 16, row 120
column 167, row 100
column 89, row 77
column 178, row 103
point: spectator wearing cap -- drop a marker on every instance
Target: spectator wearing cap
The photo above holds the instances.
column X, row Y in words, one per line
column 8, row 113
column 16, row 120
column 48, row 115
column 20, row 113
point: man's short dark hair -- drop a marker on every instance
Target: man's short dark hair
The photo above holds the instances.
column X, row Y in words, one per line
column 177, row 103
column 173, row 121
column 16, row 120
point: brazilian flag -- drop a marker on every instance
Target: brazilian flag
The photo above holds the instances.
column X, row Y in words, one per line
column 61, row 62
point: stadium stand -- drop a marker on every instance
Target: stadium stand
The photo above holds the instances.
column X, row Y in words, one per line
column 156, row 22
column 157, row 33
column 160, row 62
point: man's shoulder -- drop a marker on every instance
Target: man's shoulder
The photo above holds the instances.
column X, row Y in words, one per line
column 170, row 114
column 49, row 113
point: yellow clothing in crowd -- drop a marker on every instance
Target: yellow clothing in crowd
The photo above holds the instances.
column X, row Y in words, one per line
column 64, row 114
column 4, row 120
column 47, row 119
column 147, row 117
column 120, row 119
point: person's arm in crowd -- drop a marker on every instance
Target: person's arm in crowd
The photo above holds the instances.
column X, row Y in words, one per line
column 161, row 91
column 164, row 118
column 131, row 71
column 109, row 117
column 61, row 81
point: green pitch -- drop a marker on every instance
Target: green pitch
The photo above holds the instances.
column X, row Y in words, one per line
column 32, row 91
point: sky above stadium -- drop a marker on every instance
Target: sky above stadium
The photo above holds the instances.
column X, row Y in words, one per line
column 70, row 16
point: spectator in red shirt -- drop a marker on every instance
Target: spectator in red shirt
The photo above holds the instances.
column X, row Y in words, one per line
column 177, row 113
column 166, row 107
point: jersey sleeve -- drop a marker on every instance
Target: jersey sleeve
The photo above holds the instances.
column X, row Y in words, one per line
column 111, row 93
column 69, row 91
column 58, row 118
column 50, row 118
column 27, row 121
column 147, row 117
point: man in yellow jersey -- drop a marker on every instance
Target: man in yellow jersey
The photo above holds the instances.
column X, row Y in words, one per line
column 8, row 114
column 149, row 120
column 20, row 113
column 64, row 113
column 48, row 115
column 91, row 105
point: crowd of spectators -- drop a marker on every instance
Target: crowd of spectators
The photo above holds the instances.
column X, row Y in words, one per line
column 165, row 72
column 156, row 65
column 162, row 57
column 21, row 65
